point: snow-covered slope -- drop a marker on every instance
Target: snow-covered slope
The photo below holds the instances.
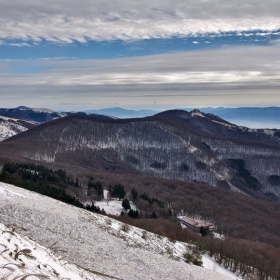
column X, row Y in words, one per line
column 21, row 257
column 91, row 241
column 10, row 127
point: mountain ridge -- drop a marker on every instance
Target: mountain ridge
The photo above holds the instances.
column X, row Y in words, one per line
column 189, row 146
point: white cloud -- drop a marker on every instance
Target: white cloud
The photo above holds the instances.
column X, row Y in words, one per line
column 68, row 20
column 241, row 76
column 15, row 44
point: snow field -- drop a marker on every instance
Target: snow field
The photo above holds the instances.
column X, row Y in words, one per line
column 21, row 257
column 98, row 242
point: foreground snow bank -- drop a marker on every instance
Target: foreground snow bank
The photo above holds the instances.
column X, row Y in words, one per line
column 20, row 257
column 95, row 242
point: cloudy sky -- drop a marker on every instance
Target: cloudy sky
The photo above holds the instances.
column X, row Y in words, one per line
column 160, row 54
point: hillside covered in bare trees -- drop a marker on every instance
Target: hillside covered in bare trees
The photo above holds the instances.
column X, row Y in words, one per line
column 174, row 145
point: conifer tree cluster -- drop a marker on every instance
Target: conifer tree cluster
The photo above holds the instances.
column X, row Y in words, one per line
column 126, row 204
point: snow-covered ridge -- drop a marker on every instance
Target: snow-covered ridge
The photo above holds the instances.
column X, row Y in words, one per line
column 197, row 113
column 94, row 242
column 10, row 127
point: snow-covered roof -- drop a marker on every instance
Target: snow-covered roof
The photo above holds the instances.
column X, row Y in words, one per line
column 195, row 223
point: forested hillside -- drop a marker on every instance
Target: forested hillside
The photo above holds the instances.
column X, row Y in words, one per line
column 174, row 145
column 250, row 226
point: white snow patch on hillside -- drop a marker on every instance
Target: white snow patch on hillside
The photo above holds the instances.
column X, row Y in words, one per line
column 269, row 132
column 218, row 235
column 214, row 266
column 10, row 127
column 113, row 207
column 98, row 242
column 197, row 113
column 225, row 124
column 43, row 110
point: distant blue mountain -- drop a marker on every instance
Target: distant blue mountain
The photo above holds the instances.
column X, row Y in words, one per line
column 253, row 117
column 123, row 113
column 23, row 108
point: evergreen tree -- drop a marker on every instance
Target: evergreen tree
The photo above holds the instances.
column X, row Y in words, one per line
column 133, row 213
column 77, row 183
column 97, row 186
column 153, row 216
column 126, row 204
column 134, row 194
column 118, row 191
column 204, row 231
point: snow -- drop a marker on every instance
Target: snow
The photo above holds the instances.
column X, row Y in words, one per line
column 10, row 194
column 225, row 124
column 43, row 110
column 269, row 132
column 38, row 260
column 218, row 235
column 9, row 127
column 214, row 266
column 93, row 241
column 6, row 118
column 113, row 207
column 197, row 113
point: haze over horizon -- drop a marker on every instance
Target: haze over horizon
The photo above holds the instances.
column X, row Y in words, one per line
column 159, row 55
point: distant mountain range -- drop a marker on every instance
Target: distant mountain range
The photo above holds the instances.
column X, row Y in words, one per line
column 253, row 117
column 189, row 146
column 40, row 115
column 124, row 113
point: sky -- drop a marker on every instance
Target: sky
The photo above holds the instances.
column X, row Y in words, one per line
column 160, row 54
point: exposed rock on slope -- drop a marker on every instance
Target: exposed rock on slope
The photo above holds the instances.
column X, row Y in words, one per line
column 96, row 242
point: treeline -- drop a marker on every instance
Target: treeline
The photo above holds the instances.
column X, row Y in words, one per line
column 251, row 226
column 152, row 200
column 44, row 181
column 39, row 174
column 247, row 258
column 38, row 179
column 97, row 186
column 58, row 185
